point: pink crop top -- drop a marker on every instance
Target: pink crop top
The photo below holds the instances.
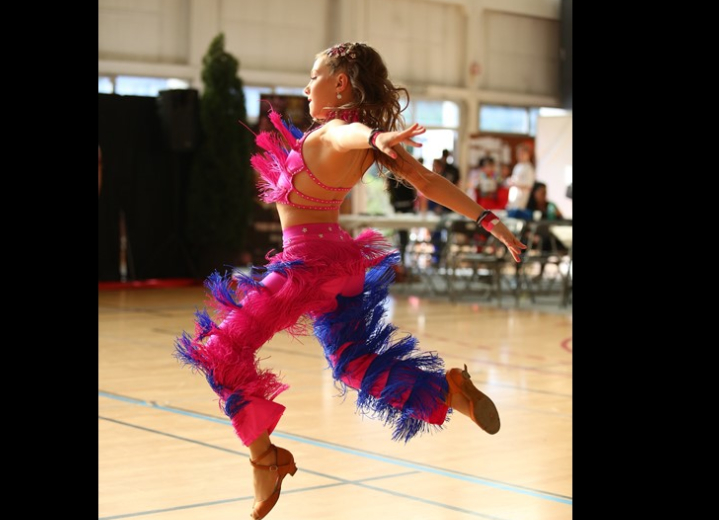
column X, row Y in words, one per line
column 278, row 166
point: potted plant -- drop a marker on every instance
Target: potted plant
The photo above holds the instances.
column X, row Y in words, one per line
column 221, row 183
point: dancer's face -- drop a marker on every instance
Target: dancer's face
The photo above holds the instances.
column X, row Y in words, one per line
column 322, row 90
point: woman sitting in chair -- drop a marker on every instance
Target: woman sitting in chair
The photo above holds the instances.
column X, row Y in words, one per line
column 549, row 211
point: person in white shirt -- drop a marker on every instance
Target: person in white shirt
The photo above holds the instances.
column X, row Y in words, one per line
column 522, row 179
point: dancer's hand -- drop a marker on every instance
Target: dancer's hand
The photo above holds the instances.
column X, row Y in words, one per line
column 509, row 239
column 385, row 141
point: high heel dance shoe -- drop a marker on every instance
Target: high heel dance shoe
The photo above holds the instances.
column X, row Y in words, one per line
column 284, row 464
column 482, row 409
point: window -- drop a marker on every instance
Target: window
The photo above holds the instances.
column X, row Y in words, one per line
column 252, row 102
column 433, row 142
column 290, row 91
column 104, row 85
column 433, row 113
column 138, row 85
column 513, row 120
column 442, row 121
column 506, row 119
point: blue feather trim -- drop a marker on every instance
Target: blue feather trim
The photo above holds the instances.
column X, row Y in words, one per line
column 296, row 132
column 359, row 321
column 204, row 322
column 221, row 289
column 235, row 403
column 184, row 349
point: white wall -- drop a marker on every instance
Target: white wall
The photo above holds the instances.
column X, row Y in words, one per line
column 457, row 49
column 467, row 51
column 553, row 155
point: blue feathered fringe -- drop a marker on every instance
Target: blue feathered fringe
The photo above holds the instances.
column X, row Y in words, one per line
column 359, row 321
column 296, row 132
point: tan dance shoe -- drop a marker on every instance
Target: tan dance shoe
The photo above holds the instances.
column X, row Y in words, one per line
column 482, row 409
column 284, row 464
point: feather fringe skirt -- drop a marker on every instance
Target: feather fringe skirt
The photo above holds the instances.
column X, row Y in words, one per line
column 329, row 284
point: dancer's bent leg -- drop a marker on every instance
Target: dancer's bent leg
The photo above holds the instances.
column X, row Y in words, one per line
column 394, row 379
column 226, row 353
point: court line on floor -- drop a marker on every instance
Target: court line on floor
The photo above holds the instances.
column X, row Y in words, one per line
column 340, row 482
column 362, row 453
column 360, row 483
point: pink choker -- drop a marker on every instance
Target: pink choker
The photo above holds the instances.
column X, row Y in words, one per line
column 351, row 115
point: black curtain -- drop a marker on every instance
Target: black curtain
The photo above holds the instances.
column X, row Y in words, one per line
column 143, row 181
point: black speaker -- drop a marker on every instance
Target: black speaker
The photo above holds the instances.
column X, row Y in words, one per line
column 179, row 111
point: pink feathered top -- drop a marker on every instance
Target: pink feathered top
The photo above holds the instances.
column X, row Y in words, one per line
column 278, row 165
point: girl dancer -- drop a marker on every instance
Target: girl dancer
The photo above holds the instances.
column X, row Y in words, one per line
column 326, row 281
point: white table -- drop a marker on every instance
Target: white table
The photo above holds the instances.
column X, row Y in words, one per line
column 396, row 221
column 563, row 232
column 405, row 221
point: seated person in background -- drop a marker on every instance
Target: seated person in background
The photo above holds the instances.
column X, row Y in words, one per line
column 547, row 210
column 488, row 185
column 538, row 202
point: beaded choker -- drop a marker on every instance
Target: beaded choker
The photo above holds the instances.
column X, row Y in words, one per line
column 351, row 115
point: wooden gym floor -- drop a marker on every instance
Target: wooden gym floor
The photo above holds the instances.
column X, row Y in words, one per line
column 166, row 451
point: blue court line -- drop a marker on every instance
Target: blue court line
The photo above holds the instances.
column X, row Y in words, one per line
column 351, row 451
column 430, row 502
column 235, row 452
column 240, row 499
column 427, row 469
column 340, row 482
column 301, row 490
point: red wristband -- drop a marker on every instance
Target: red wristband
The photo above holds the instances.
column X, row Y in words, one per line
column 373, row 137
column 488, row 220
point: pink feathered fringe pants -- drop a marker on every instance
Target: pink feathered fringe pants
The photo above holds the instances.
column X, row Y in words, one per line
column 326, row 283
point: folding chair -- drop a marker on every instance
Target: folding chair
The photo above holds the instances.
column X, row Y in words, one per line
column 548, row 244
column 473, row 256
